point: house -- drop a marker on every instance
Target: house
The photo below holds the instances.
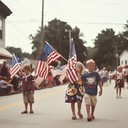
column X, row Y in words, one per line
column 4, row 12
column 124, row 58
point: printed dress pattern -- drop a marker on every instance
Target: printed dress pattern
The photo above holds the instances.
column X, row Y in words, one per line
column 119, row 81
column 74, row 92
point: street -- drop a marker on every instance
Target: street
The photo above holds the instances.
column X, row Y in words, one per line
column 50, row 110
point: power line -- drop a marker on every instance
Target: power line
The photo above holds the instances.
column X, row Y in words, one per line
column 98, row 23
column 110, row 3
column 89, row 23
column 18, row 29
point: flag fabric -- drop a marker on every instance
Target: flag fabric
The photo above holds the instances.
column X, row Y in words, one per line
column 71, row 66
column 52, row 54
column 52, row 57
column 41, row 69
column 46, row 58
column 15, row 66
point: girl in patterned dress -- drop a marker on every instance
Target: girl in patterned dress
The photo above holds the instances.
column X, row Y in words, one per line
column 74, row 93
column 119, row 81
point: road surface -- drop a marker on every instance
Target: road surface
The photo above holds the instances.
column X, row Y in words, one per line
column 51, row 111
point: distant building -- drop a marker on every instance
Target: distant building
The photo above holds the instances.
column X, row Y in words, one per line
column 124, row 58
column 4, row 12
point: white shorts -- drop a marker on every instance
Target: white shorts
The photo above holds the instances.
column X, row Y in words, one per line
column 90, row 100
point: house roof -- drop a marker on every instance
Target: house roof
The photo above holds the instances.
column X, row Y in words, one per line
column 4, row 10
column 124, row 52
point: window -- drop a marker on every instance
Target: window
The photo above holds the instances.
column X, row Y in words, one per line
column 1, row 28
column 125, row 62
column 122, row 62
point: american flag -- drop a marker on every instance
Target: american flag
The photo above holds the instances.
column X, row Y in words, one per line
column 52, row 57
column 46, row 58
column 41, row 69
column 15, row 66
column 71, row 66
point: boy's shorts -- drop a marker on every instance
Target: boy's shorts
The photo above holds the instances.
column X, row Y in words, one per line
column 90, row 100
column 29, row 98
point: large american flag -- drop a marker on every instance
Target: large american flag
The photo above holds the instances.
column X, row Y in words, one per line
column 15, row 66
column 41, row 69
column 71, row 66
column 46, row 58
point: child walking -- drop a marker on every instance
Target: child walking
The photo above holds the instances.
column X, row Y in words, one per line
column 126, row 75
column 119, row 81
column 28, row 89
column 74, row 93
column 91, row 80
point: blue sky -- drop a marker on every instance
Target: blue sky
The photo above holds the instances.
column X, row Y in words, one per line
column 91, row 16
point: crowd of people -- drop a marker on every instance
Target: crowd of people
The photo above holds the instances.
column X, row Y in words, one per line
column 13, row 86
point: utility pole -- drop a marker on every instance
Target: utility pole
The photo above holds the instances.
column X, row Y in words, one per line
column 116, row 54
column 70, row 36
column 42, row 27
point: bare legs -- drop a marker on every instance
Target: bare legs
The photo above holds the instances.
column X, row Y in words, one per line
column 31, row 110
column 73, row 110
column 90, row 112
column 118, row 92
column 26, row 108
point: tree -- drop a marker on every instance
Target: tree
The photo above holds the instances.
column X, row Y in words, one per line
column 104, row 49
column 124, row 37
column 18, row 52
column 57, row 34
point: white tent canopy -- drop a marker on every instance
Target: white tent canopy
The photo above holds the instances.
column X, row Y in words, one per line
column 4, row 54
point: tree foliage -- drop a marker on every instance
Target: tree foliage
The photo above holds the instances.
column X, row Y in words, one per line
column 18, row 52
column 104, row 48
column 108, row 45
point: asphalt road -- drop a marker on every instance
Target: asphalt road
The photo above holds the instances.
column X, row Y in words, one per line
column 51, row 111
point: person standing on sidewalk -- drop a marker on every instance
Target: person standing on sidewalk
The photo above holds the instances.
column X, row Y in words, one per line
column 91, row 80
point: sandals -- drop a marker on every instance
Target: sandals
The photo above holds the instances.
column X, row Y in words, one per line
column 80, row 115
column 74, row 117
column 24, row 112
column 31, row 112
column 89, row 119
column 92, row 117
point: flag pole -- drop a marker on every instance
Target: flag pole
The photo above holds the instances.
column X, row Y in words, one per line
column 56, row 51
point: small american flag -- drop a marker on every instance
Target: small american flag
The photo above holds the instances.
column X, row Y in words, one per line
column 71, row 66
column 15, row 66
column 47, row 57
